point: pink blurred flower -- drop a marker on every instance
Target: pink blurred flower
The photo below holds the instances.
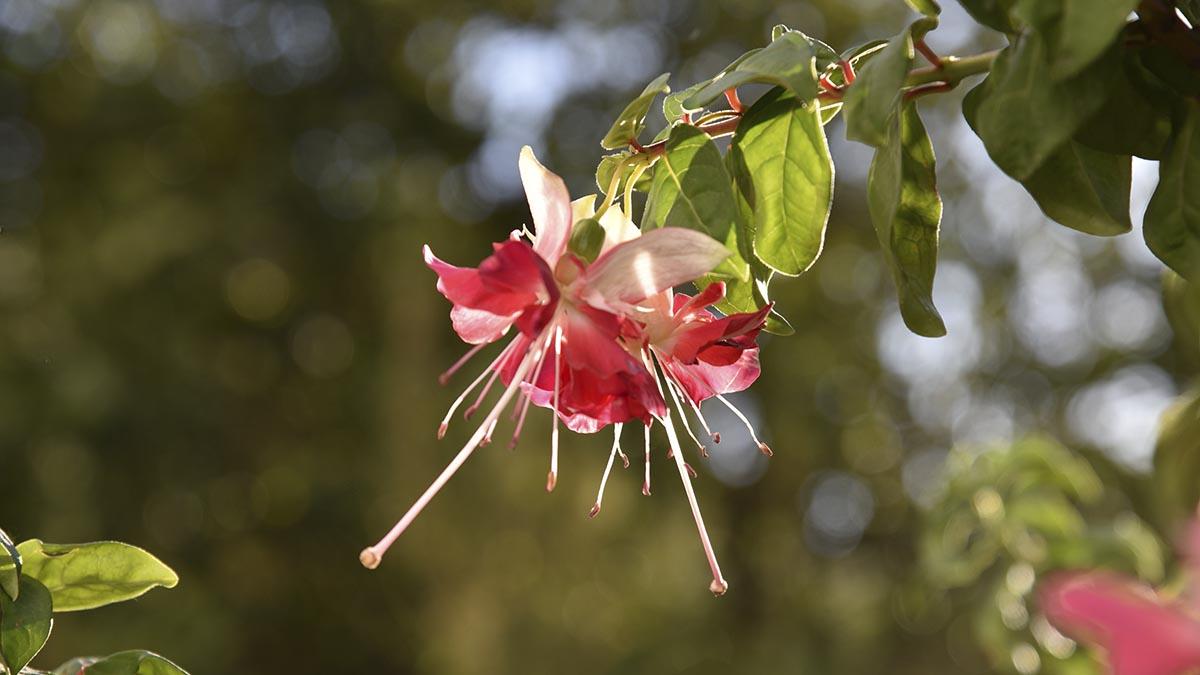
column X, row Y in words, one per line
column 1140, row 631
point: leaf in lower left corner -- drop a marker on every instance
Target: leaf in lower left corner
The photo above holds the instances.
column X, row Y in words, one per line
column 25, row 624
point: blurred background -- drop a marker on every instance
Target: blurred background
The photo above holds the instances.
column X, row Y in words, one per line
column 218, row 341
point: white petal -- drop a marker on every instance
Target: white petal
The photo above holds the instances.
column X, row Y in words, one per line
column 584, row 207
column 617, row 228
column 550, row 205
column 654, row 262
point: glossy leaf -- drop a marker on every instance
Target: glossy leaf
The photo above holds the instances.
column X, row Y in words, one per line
column 133, row 662
column 907, row 211
column 782, row 146
column 1086, row 30
column 1022, row 116
column 85, row 576
column 994, row 14
column 25, row 624
column 692, row 189
column 10, row 566
column 789, row 62
column 872, row 100
column 632, row 120
column 1172, row 225
column 1084, row 189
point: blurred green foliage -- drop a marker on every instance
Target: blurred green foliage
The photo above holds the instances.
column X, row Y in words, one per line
column 217, row 341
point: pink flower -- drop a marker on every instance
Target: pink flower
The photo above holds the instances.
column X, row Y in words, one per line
column 1141, row 632
column 571, row 351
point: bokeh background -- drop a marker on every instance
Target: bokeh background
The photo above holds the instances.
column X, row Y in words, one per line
column 218, row 341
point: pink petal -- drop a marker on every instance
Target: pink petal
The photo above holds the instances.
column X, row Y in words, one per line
column 698, row 336
column 702, row 381
column 688, row 305
column 550, row 205
column 512, row 284
column 658, row 260
column 1141, row 635
column 477, row 327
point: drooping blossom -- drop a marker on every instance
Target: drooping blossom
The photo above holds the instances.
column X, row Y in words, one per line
column 1140, row 631
column 571, row 351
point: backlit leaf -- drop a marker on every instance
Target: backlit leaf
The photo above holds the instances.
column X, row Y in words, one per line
column 85, row 576
column 782, row 146
column 133, row 662
column 632, row 120
column 25, row 624
column 872, row 100
column 789, row 62
column 907, row 211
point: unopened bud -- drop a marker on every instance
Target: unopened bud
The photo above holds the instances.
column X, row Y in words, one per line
column 587, row 238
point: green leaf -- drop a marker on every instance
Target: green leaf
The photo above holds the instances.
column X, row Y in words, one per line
column 906, row 210
column 10, row 567
column 692, row 189
column 782, row 147
column 632, row 120
column 672, row 107
column 1135, row 119
column 1087, row 29
column 1181, row 302
column 25, row 624
column 86, row 576
column 1023, row 116
column 1177, row 460
column 926, row 7
column 994, row 14
column 1172, row 226
column 1084, row 189
column 872, row 100
column 133, row 662
column 789, row 62
column 824, row 54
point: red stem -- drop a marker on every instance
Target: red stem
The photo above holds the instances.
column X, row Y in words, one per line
column 931, row 88
column 847, row 71
column 930, row 55
column 714, row 129
column 731, row 95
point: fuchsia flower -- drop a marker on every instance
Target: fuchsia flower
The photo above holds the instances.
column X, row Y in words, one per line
column 587, row 335
column 1141, row 632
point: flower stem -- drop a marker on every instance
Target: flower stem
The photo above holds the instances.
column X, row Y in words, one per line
column 952, row 69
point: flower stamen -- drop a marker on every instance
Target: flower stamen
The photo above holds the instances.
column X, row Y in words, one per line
column 467, row 392
column 616, row 447
column 445, row 377
column 373, row 555
column 552, row 477
column 646, row 482
column 763, row 447
column 718, row 585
